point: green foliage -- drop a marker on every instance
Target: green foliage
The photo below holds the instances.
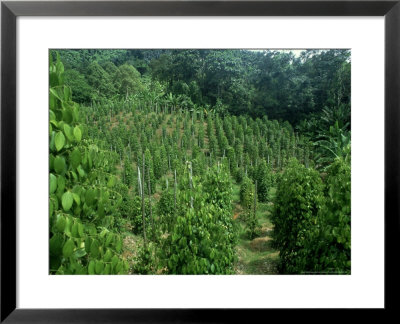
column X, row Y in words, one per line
column 246, row 193
column 127, row 80
column 166, row 209
column 333, row 241
column 332, row 145
column 274, row 83
column 149, row 172
column 96, row 154
column 217, row 185
column 158, row 165
column 252, row 225
column 100, row 81
column 136, row 215
column 82, row 91
column 203, row 238
column 299, row 199
column 239, row 175
column 146, row 260
column 82, row 238
column 264, row 181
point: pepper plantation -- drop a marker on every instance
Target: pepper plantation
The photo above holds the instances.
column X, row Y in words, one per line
column 199, row 162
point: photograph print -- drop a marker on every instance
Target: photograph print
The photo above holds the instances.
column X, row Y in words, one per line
column 199, row 161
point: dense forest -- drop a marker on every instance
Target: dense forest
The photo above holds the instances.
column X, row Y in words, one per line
column 200, row 162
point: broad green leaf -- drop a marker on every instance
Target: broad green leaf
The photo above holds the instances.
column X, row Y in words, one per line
column 74, row 230
column 118, row 246
column 103, row 233
column 67, row 115
column 54, row 92
column 91, row 267
column 99, row 267
column 60, row 66
column 68, row 225
column 88, row 243
column 114, row 261
column 56, row 244
column 74, row 175
column 51, row 208
column 107, row 256
column 69, row 132
column 59, row 141
column 75, row 158
column 60, row 184
column 68, row 248
column 92, row 229
column 67, row 200
column 118, row 267
column 60, row 223
column 52, row 116
column 81, row 171
column 109, row 238
column 59, row 164
column 80, row 253
column 77, row 199
column 77, row 133
column 81, row 230
column 94, row 249
column 53, row 183
column 107, row 269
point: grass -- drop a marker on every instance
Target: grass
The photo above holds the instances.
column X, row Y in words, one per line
column 257, row 256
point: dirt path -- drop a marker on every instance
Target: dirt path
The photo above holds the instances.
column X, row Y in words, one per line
column 256, row 256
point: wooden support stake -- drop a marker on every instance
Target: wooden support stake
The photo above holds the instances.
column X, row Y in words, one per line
column 143, row 211
column 175, row 185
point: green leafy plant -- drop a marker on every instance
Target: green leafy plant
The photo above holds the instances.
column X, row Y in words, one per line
column 299, row 199
column 246, row 193
column 81, row 203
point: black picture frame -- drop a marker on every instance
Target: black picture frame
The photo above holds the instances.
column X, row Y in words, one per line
column 10, row 10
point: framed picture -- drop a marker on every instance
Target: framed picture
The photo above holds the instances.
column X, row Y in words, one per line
column 361, row 35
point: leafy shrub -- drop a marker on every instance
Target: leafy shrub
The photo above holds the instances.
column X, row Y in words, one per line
column 203, row 238
column 201, row 243
column 264, row 181
column 166, row 210
column 299, row 198
column 217, row 185
column 81, row 202
column 247, row 193
column 137, row 217
column 145, row 260
column 333, row 242
column 238, row 174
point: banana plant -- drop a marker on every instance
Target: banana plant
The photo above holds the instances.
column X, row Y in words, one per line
column 335, row 144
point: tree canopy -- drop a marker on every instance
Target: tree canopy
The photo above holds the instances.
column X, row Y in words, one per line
column 276, row 83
